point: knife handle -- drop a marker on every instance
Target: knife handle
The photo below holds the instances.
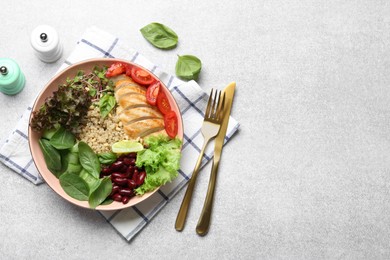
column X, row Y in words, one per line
column 204, row 220
column 182, row 215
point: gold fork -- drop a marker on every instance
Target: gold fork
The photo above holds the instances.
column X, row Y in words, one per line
column 210, row 128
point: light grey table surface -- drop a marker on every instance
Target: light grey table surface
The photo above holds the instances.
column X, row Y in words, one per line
column 306, row 177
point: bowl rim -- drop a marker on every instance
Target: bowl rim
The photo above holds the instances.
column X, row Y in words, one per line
column 84, row 204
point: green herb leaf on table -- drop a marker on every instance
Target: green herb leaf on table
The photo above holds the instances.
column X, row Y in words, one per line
column 74, row 186
column 89, row 160
column 160, row 36
column 188, row 67
column 100, row 194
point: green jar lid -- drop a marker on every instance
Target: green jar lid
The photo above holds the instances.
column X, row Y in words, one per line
column 12, row 79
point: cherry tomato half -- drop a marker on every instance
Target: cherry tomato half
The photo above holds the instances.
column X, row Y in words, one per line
column 141, row 76
column 152, row 93
column 128, row 68
column 163, row 103
column 115, row 69
column 171, row 125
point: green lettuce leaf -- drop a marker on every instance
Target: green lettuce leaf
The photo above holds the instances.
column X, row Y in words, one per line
column 155, row 180
column 161, row 161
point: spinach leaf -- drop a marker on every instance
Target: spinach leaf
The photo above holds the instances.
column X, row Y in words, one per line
column 161, row 36
column 48, row 133
column 52, row 157
column 74, row 168
column 100, row 193
column 107, row 201
column 107, row 158
column 73, row 165
column 62, row 139
column 106, row 104
column 64, row 161
column 74, row 186
column 91, row 181
column 73, row 157
column 89, row 160
column 75, row 148
column 188, row 67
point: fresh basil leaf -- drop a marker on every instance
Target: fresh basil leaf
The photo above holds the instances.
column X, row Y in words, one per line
column 62, row 139
column 161, row 36
column 89, row 160
column 107, row 158
column 100, row 193
column 52, row 157
column 188, row 67
column 74, row 186
column 106, row 104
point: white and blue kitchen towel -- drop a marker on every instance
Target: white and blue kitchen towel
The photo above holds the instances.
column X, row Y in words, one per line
column 191, row 100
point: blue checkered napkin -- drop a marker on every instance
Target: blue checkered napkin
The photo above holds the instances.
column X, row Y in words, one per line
column 191, row 100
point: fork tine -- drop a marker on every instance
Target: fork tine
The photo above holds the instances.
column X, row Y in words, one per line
column 208, row 108
column 214, row 106
column 217, row 101
column 221, row 105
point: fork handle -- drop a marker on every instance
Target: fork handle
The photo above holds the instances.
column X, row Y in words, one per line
column 181, row 216
column 204, row 220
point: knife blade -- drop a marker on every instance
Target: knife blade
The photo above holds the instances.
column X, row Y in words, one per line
column 204, row 220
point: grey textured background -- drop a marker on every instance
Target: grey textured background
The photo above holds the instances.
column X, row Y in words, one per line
column 306, row 177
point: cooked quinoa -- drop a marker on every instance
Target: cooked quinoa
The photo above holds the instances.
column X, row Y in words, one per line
column 100, row 133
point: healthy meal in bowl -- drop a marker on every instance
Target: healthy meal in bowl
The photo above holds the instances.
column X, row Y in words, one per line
column 108, row 135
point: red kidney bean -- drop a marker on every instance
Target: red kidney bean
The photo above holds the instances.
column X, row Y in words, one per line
column 120, row 158
column 116, row 166
column 132, row 155
column 126, row 192
column 125, row 199
column 131, row 168
column 106, row 171
column 115, row 189
column 141, row 178
column 127, row 161
column 129, row 172
column 117, row 197
column 131, row 184
column 117, row 175
column 120, row 181
column 125, row 176
column 135, row 173
column 123, row 168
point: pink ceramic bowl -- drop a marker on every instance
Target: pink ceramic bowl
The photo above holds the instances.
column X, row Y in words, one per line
column 33, row 136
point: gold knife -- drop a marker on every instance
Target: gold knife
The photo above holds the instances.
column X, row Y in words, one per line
column 204, row 220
